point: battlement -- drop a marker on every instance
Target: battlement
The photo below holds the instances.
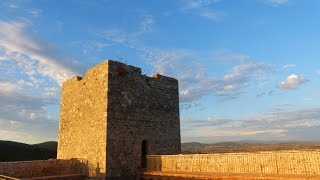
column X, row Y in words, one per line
column 120, row 69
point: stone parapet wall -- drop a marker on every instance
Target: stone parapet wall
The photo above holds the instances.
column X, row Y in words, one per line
column 282, row 162
column 41, row 168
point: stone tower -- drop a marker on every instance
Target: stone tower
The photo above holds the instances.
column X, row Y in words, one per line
column 114, row 116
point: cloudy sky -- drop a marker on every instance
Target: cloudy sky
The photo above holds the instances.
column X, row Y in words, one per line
column 247, row 70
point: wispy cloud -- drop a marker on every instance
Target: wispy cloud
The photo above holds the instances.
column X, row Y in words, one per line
column 32, row 71
column 147, row 22
column 202, row 8
column 15, row 95
column 199, row 83
column 267, row 93
column 119, row 36
column 51, row 91
column 276, row 3
column 288, row 66
column 212, row 15
column 12, row 5
column 26, row 132
column 34, row 12
column 15, row 39
column 89, row 47
column 284, row 125
column 127, row 38
column 7, row 87
column 245, row 71
column 179, row 63
column 195, row 4
column 224, row 56
column 292, row 82
column 24, row 113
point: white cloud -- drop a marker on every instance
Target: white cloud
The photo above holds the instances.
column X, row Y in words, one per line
column 229, row 88
column 224, row 56
column 292, row 82
column 212, row 15
column 179, row 63
column 201, row 9
column 318, row 71
column 20, row 99
column 276, row 3
column 16, row 41
column 266, row 93
column 51, row 91
column 287, row 66
column 193, row 86
column 89, row 47
column 119, row 36
column 26, row 132
column 25, row 118
column 242, row 72
column 10, row 5
column 27, row 67
column 283, row 125
column 9, row 87
column 195, row 4
column 24, row 113
column 147, row 23
column 16, row 135
column 35, row 12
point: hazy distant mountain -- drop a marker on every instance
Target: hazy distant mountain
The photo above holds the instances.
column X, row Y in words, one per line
column 246, row 146
column 15, row 151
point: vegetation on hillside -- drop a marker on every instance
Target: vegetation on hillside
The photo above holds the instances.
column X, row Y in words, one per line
column 14, row 151
column 235, row 147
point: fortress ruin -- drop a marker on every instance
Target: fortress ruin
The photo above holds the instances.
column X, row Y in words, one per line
column 114, row 116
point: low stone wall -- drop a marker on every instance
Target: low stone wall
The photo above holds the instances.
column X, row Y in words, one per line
column 40, row 168
column 282, row 162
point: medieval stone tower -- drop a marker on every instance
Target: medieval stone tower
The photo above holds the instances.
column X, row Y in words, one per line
column 114, row 116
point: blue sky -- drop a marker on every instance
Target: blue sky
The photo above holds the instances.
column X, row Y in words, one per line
column 247, row 70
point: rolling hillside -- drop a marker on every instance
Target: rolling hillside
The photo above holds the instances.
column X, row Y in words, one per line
column 243, row 146
column 15, row 151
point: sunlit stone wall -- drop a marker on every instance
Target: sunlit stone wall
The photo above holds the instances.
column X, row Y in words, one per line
column 281, row 162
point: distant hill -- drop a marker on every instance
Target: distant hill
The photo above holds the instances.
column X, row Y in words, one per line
column 246, row 146
column 15, row 151
column 50, row 145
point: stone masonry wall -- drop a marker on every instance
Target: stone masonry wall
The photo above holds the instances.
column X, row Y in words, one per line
column 83, row 117
column 290, row 163
column 139, row 108
column 107, row 114
column 40, row 168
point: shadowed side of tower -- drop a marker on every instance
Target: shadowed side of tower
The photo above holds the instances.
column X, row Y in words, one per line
column 143, row 118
